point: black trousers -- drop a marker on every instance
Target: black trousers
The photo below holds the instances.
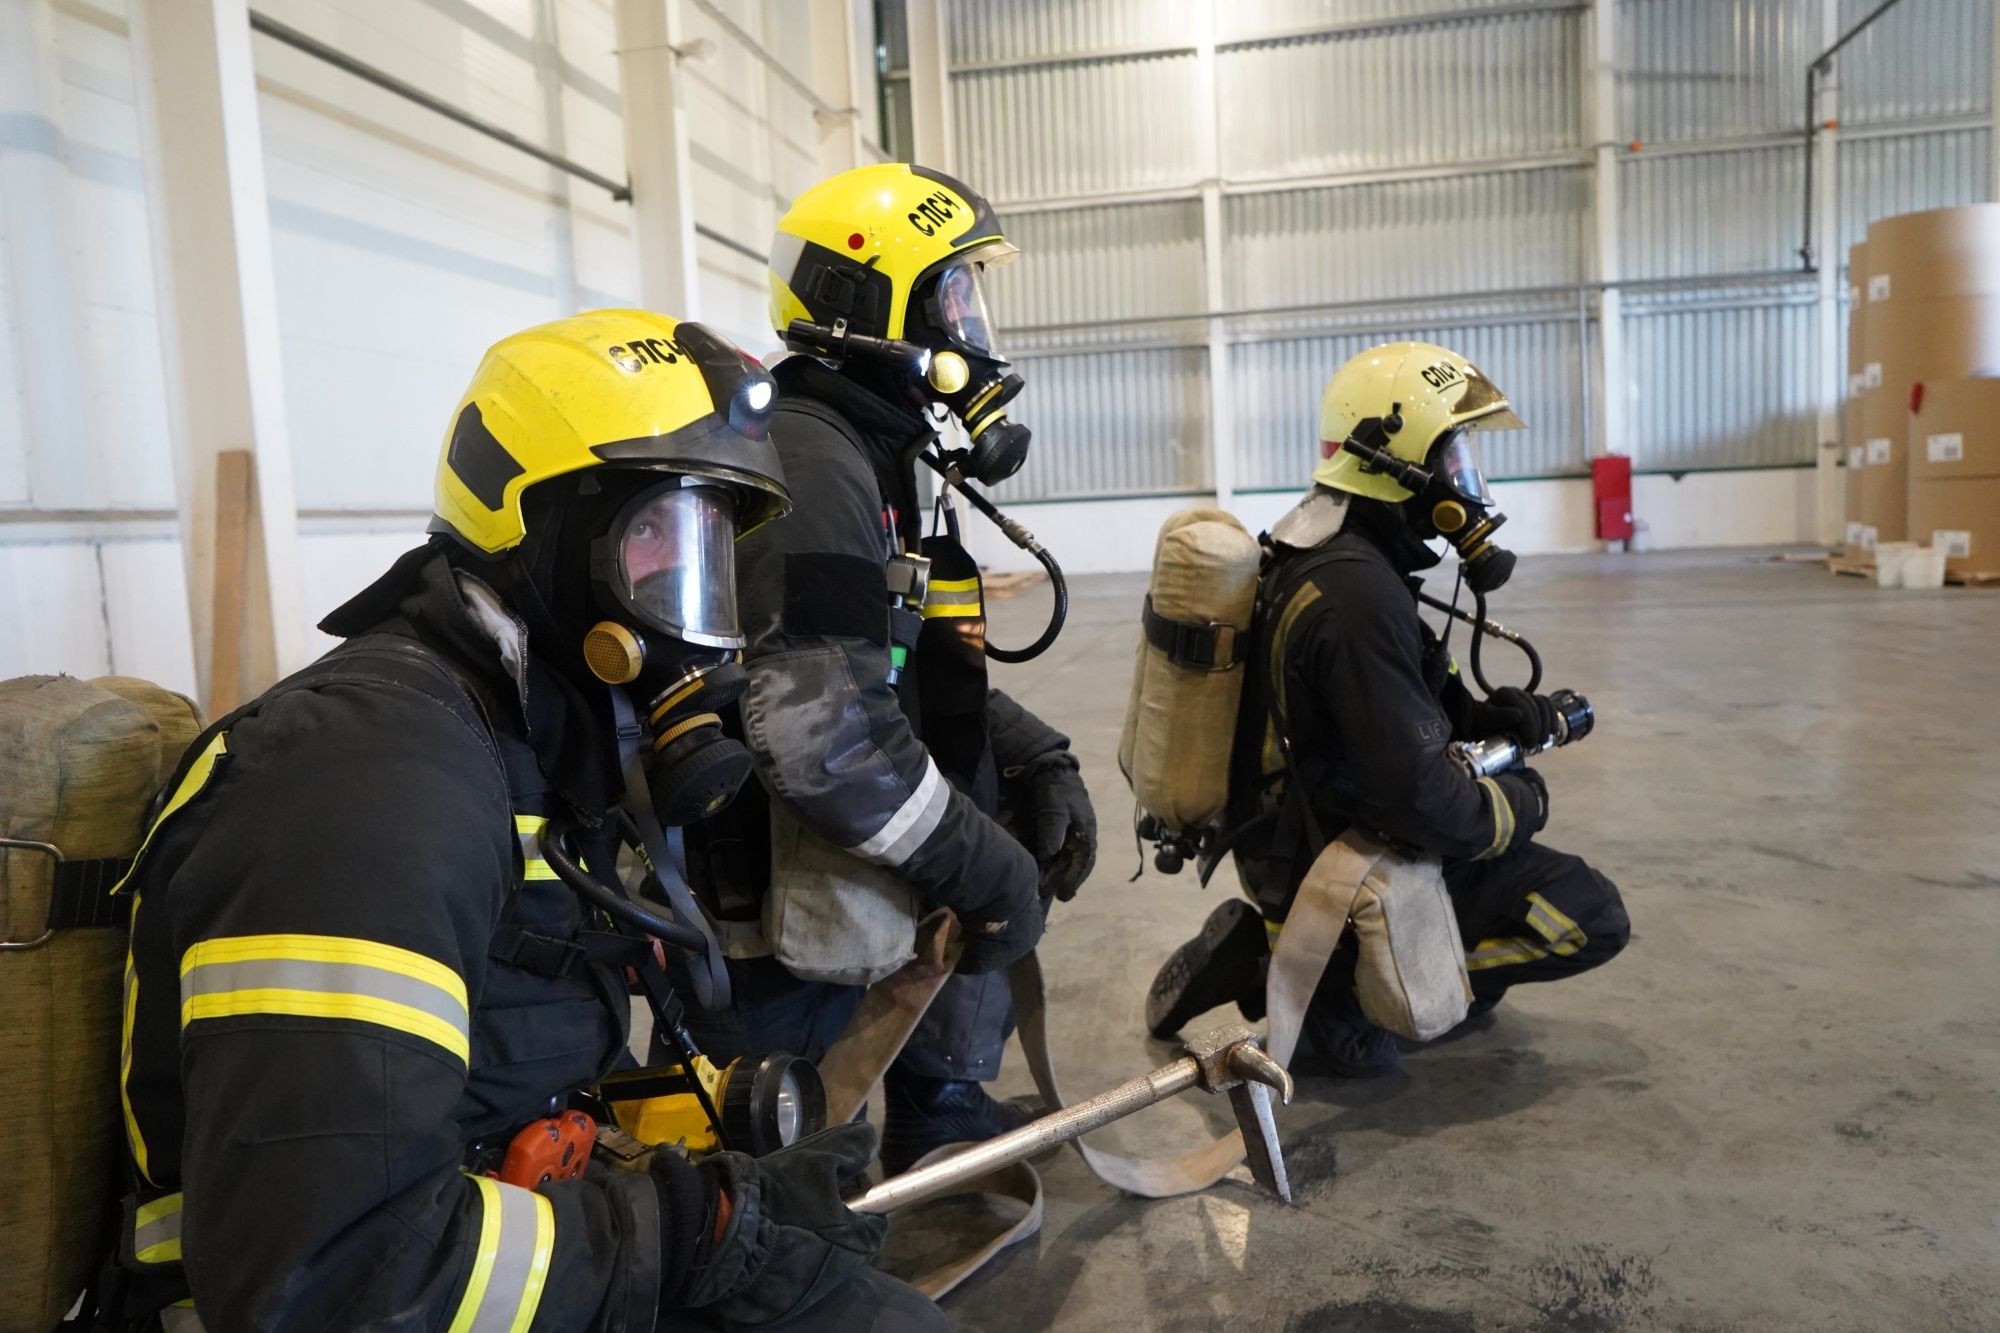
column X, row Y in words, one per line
column 1533, row 914
column 873, row 1302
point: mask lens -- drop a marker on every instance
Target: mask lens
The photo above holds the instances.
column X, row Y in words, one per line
column 1457, row 462
column 962, row 306
column 677, row 563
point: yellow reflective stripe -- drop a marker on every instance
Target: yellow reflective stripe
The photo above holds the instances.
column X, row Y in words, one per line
column 133, row 1138
column 946, row 610
column 510, row 1265
column 1565, row 937
column 1501, row 952
column 529, row 829
column 954, row 585
column 1503, row 819
column 156, row 1231
column 198, row 774
column 326, row 976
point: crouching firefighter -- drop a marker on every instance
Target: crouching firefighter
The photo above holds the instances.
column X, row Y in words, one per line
column 1353, row 721
column 890, row 765
column 361, row 961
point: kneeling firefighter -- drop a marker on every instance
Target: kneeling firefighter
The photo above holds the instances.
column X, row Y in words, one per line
column 890, row 765
column 366, row 950
column 1353, row 717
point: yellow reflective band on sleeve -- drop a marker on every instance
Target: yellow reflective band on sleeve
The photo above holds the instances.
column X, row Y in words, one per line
column 156, row 1231
column 198, row 774
column 529, row 829
column 517, row 1234
column 1565, row 937
column 946, row 598
column 1501, row 952
column 1503, row 819
column 327, row 976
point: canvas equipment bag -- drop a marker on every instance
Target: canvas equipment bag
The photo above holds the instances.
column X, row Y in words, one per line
column 831, row 916
column 79, row 764
column 1188, row 675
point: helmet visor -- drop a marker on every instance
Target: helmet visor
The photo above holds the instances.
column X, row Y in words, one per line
column 1456, row 461
column 961, row 301
column 676, row 563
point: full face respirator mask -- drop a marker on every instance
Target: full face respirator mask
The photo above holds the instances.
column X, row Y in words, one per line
column 666, row 574
column 952, row 358
column 1449, row 496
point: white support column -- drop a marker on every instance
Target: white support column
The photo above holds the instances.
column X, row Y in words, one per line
column 203, row 153
column 836, row 78
column 38, row 262
column 1221, row 433
column 549, row 83
column 930, row 85
column 1830, row 367
column 650, row 35
column 1614, row 391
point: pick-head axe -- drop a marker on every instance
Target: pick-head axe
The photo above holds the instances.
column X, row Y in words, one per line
column 1224, row 1059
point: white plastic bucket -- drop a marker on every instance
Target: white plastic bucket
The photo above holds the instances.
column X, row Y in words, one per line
column 1889, row 557
column 1923, row 568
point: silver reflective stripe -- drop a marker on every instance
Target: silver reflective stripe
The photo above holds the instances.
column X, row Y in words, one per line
column 897, row 841
column 324, row 978
column 517, row 1233
column 156, row 1231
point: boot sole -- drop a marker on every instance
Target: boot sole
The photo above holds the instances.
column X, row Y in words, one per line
column 1168, row 1007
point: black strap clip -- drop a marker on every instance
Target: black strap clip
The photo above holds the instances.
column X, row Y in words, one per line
column 79, row 894
column 1216, row 646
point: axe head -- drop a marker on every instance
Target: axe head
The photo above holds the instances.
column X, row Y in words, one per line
column 1231, row 1060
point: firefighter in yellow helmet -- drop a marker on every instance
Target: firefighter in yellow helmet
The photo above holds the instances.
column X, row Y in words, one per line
column 1364, row 698
column 379, row 951
column 869, row 712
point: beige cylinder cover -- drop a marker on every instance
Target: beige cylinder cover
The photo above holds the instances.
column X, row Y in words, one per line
column 78, row 764
column 1180, row 720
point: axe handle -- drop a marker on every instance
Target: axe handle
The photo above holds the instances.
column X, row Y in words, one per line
column 1037, row 1136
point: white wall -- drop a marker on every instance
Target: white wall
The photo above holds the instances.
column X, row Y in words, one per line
column 405, row 245
column 1764, row 507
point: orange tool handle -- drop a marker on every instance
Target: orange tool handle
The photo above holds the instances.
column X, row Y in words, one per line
column 557, row 1148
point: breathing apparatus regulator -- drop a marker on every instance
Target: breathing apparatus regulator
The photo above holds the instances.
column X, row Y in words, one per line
column 883, row 269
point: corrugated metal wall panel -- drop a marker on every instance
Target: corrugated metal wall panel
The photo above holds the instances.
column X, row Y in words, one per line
column 984, row 30
column 1496, row 231
column 1704, row 69
column 1276, row 388
column 1062, row 130
column 1100, row 264
column 1918, row 61
column 1460, row 92
column 1241, row 19
column 1716, row 386
column 1690, row 214
column 1114, row 423
column 1905, row 173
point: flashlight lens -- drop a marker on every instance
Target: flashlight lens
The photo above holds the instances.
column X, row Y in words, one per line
column 787, row 1116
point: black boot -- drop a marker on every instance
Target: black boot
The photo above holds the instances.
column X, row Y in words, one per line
column 919, row 1114
column 1223, row 963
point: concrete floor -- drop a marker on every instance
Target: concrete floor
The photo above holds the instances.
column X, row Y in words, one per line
column 1775, row 1111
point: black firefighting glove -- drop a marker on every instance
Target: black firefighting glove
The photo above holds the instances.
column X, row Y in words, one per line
column 1529, row 719
column 788, row 1241
column 999, row 933
column 1528, row 795
column 1044, row 803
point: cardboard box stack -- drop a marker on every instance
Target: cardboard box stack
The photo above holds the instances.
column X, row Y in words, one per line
column 1858, row 541
column 1954, row 452
column 1930, row 311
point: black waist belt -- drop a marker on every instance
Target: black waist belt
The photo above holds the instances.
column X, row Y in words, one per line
column 1216, row 646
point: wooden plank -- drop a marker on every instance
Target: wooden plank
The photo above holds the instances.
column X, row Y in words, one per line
column 227, row 649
